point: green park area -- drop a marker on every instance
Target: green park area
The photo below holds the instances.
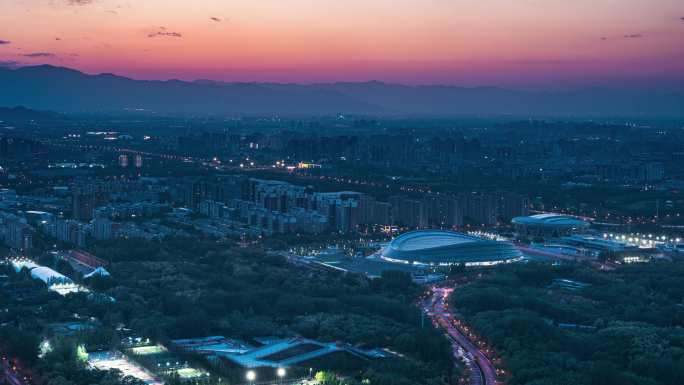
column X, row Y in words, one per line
column 574, row 324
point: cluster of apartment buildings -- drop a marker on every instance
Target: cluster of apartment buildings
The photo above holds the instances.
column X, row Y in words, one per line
column 15, row 231
column 233, row 204
column 281, row 207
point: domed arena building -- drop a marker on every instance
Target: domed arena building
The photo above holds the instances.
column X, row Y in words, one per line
column 548, row 225
column 445, row 248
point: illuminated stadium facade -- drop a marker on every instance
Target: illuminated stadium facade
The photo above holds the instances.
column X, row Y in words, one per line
column 548, row 225
column 444, row 248
column 52, row 279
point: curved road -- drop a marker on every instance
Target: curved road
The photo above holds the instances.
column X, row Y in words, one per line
column 482, row 371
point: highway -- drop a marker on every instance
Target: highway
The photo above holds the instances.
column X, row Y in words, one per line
column 481, row 369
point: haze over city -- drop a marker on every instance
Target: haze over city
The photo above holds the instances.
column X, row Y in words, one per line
column 319, row 192
column 522, row 44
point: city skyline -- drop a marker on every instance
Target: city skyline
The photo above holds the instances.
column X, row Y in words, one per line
column 319, row 192
column 528, row 44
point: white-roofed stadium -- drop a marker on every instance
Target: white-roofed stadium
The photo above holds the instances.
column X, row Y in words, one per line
column 443, row 248
column 548, row 225
column 54, row 280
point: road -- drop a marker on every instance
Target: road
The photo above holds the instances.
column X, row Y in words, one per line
column 11, row 374
column 482, row 370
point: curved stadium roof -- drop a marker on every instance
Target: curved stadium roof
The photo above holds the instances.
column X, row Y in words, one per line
column 438, row 247
column 23, row 263
column 48, row 275
column 550, row 220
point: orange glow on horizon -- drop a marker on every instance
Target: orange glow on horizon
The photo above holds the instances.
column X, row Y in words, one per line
column 469, row 42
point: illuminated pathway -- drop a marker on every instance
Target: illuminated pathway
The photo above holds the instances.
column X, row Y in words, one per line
column 482, row 371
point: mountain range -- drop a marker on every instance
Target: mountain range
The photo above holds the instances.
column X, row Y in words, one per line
column 46, row 87
column 23, row 114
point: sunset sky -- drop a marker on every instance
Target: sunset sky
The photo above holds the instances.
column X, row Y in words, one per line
column 514, row 43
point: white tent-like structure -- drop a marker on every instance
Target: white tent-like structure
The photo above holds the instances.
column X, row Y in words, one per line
column 19, row 264
column 49, row 276
column 54, row 280
column 101, row 271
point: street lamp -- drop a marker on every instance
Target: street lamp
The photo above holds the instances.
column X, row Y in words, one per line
column 281, row 373
column 251, row 376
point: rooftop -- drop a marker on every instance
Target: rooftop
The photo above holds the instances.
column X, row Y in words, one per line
column 288, row 352
column 550, row 219
column 428, row 239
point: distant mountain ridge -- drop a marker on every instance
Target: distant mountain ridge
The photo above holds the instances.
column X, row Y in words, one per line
column 20, row 113
column 66, row 90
